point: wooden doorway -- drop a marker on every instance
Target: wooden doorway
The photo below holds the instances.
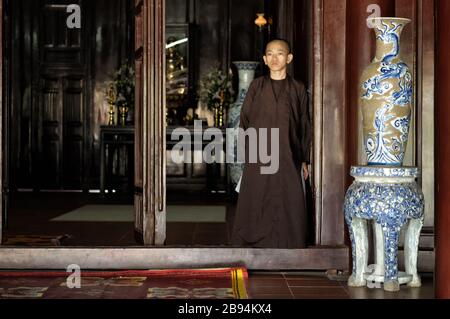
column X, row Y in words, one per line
column 329, row 251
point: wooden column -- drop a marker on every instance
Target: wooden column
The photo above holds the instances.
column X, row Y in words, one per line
column 442, row 115
column 360, row 52
column 409, row 53
column 418, row 51
column 329, row 31
column 1, row 123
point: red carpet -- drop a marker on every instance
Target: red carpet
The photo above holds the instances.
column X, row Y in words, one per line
column 223, row 283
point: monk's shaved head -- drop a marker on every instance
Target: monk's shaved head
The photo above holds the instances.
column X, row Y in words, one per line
column 285, row 43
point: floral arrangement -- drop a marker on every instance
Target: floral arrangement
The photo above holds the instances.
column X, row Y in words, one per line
column 124, row 81
column 215, row 88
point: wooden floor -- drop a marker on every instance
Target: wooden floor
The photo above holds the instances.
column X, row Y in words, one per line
column 30, row 214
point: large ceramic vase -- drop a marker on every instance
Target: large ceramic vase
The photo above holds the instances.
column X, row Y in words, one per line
column 386, row 95
column 246, row 71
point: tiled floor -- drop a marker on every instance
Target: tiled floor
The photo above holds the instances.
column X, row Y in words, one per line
column 295, row 285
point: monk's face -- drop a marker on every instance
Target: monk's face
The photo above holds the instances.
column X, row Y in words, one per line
column 277, row 56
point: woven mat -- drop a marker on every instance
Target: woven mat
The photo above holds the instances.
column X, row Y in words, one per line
column 218, row 283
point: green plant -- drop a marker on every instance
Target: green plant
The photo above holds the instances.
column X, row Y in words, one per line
column 216, row 87
column 124, row 81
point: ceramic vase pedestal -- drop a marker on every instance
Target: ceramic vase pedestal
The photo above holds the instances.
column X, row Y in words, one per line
column 385, row 193
column 246, row 71
column 392, row 200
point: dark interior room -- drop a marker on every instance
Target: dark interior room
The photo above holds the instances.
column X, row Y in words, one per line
column 71, row 138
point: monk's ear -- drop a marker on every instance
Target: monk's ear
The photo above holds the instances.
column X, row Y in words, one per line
column 265, row 59
column 290, row 58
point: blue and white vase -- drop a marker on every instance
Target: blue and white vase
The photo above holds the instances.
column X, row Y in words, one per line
column 246, row 71
column 386, row 96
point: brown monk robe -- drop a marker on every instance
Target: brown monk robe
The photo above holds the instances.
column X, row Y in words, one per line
column 271, row 209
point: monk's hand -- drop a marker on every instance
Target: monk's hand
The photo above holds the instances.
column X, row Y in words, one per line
column 305, row 171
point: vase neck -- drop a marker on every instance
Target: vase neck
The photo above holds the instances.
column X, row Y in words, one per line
column 388, row 33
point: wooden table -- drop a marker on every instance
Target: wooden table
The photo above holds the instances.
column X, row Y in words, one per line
column 112, row 139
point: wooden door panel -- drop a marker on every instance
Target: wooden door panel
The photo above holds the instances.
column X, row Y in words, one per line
column 62, row 124
column 60, row 45
column 50, row 154
column 73, row 139
column 50, row 138
column 138, row 114
column 150, row 122
column 138, row 124
column 62, row 138
column 155, row 126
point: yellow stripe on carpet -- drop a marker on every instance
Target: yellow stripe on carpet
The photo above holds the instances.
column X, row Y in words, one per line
column 238, row 281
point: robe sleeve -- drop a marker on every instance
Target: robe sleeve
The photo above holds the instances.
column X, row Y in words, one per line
column 305, row 126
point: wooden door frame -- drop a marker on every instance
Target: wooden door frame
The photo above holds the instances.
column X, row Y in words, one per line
column 2, row 127
column 330, row 251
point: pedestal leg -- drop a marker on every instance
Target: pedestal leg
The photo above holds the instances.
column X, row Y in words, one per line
column 412, row 237
column 391, row 235
column 360, row 252
column 379, row 249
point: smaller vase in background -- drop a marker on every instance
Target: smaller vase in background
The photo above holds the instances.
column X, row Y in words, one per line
column 218, row 115
column 123, row 112
column 130, row 116
column 111, row 98
column 246, row 71
column 218, row 110
column 124, row 81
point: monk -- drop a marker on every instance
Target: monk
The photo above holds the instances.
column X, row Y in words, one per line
column 271, row 210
